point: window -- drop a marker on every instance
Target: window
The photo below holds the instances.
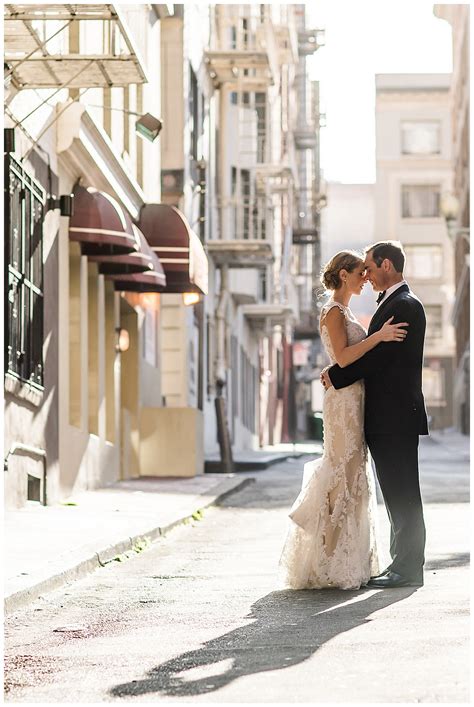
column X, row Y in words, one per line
column 194, row 115
column 262, row 285
column 434, row 384
column 241, row 196
column 261, row 109
column 421, row 137
column 248, row 391
column 234, row 358
column 434, row 322
column 24, row 201
column 420, row 201
column 424, row 262
column 245, row 186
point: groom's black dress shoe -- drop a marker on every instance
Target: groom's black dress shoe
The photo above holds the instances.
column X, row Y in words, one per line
column 392, row 579
column 382, row 574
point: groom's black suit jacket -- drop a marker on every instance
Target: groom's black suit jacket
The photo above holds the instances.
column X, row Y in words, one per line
column 394, row 401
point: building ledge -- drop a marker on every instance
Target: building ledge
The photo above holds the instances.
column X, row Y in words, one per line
column 241, row 253
column 88, row 152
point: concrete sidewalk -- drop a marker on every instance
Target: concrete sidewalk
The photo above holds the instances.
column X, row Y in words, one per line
column 46, row 547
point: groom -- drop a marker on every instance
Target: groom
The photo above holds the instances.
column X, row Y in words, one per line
column 394, row 411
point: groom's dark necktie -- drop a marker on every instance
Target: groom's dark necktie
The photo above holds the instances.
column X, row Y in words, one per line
column 381, row 296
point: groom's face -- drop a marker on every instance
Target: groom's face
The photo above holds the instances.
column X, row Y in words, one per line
column 374, row 274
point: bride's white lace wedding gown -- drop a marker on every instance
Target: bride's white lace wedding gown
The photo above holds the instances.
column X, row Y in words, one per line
column 331, row 541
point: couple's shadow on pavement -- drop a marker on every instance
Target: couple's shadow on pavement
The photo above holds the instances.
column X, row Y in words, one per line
column 288, row 627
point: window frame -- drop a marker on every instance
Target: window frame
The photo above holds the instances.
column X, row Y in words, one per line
column 438, row 371
column 419, row 155
column 405, row 186
column 430, row 339
column 409, row 247
column 24, row 276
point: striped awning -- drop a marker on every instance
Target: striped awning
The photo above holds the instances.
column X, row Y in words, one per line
column 109, row 238
column 179, row 249
column 150, row 281
column 145, row 260
column 101, row 225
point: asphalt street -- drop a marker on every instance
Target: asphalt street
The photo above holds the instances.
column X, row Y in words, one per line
column 199, row 616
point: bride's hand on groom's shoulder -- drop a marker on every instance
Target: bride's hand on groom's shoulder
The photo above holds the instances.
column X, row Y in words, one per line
column 393, row 332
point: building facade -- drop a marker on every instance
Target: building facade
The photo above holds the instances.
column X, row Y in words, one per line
column 84, row 340
column 348, row 222
column 458, row 16
column 160, row 163
column 256, row 61
column 414, row 168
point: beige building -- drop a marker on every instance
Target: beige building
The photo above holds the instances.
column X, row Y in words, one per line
column 86, row 335
column 414, row 168
column 166, row 299
column 458, row 16
column 256, row 61
column 348, row 221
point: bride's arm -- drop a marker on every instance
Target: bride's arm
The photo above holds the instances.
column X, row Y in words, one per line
column 345, row 354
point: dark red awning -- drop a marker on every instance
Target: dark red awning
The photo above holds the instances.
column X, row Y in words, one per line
column 143, row 261
column 150, row 281
column 101, row 225
column 179, row 249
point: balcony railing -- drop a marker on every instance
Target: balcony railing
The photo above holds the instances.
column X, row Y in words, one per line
column 307, row 228
column 243, row 50
column 305, row 137
column 246, row 225
column 248, row 218
column 274, row 178
column 310, row 40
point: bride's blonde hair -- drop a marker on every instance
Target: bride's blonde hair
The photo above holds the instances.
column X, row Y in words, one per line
column 344, row 260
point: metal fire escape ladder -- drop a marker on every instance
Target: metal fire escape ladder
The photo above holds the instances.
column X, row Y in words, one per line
column 31, row 65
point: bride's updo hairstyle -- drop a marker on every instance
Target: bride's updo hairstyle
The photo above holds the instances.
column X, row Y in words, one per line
column 347, row 260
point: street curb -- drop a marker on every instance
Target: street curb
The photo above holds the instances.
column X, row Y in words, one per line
column 213, row 466
column 101, row 557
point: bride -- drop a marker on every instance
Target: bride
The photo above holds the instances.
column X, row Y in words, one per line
column 332, row 541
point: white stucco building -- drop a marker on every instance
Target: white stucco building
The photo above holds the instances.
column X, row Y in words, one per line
column 157, row 317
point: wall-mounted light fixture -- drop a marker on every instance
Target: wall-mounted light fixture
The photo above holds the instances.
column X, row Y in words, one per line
column 190, row 298
column 148, row 126
column 8, row 140
column 122, row 341
column 65, row 204
column 449, row 207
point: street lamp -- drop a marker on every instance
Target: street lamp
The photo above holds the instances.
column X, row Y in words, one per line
column 122, row 340
column 449, row 206
column 190, row 298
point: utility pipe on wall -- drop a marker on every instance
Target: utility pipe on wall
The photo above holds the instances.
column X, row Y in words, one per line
column 227, row 464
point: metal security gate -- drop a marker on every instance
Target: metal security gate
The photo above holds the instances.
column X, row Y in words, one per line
column 23, row 216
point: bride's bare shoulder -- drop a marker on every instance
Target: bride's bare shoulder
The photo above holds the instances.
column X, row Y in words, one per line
column 332, row 313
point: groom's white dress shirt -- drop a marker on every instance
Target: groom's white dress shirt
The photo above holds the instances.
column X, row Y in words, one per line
column 391, row 290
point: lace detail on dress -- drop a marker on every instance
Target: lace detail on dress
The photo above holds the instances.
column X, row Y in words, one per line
column 331, row 541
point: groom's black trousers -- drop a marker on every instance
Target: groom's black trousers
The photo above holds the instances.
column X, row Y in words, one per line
column 396, row 464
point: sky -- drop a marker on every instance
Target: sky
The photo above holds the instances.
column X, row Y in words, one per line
column 364, row 38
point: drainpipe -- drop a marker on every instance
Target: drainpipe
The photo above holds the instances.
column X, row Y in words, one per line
column 221, row 363
column 223, row 436
column 34, row 451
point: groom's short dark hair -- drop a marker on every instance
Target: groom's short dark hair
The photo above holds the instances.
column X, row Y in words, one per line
column 391, row 250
